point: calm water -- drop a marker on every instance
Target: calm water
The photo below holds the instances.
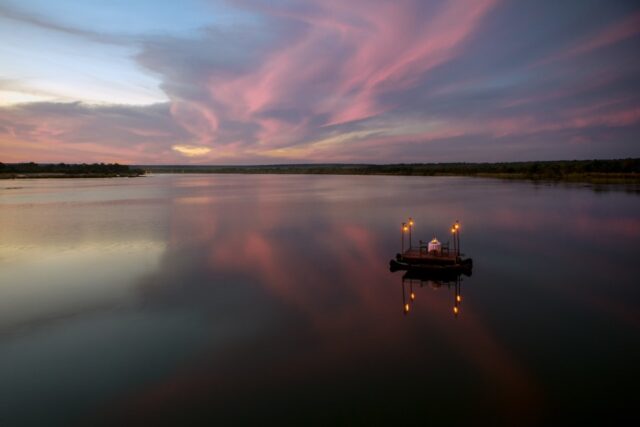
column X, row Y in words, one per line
column 171, row 299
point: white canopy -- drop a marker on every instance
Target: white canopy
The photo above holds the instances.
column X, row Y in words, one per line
column 434, row 245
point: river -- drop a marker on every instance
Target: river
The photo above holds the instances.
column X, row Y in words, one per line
column 175, row 299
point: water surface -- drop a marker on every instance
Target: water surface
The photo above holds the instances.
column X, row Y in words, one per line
column 243, row 298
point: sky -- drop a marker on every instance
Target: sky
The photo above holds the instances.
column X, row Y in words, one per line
column 318, row 81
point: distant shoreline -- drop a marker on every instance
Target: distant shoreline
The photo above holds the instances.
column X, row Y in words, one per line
column 63, row 170
column 600, row 178
column 66, row 175
column 620, row 171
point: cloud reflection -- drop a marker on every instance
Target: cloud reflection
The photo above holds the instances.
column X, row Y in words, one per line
column 311, row 294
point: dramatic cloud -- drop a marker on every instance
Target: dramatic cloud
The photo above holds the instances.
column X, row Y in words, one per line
column 356, row 81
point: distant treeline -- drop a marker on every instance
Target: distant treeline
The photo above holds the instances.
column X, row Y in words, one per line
column 31, row 169
column 605, row 171
column 574, row 170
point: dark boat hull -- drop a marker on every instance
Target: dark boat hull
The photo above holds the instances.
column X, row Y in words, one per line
column 461, row 266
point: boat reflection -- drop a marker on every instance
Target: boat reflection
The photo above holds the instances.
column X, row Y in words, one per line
column 434, row 280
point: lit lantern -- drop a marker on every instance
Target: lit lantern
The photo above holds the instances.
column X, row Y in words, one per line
column 410, row 229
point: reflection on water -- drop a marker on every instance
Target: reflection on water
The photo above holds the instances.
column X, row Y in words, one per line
column 220, row 299
column 434, row 281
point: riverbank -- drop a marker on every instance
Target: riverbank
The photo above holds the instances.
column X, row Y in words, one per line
column 65, row 175
column 623, row 171
column 592, row 178
column 63, row 170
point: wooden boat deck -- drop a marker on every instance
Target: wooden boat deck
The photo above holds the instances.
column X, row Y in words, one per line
column 423, row 255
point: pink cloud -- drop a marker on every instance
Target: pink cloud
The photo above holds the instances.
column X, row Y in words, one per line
column 196, row 118
column 615, row 33
column 385, row 49
column 72, row 132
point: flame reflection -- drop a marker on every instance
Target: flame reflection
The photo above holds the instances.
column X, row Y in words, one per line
column 434, row 281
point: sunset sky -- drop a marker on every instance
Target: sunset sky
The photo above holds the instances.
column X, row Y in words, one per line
column 285, row 81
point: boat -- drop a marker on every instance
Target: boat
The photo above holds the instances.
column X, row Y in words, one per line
column 432, row 256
